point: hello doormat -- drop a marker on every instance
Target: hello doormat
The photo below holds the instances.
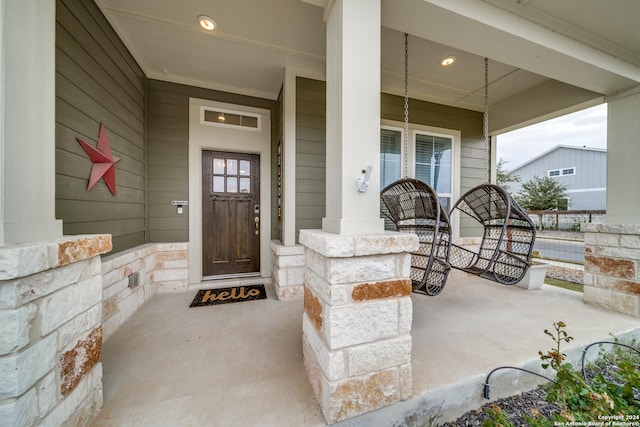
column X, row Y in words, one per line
column 228, row 295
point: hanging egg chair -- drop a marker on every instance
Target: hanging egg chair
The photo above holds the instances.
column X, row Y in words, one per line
column 414, row 208
column 504, row 254
column 505, row 251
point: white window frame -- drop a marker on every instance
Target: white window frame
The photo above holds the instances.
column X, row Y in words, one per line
column 573, row 169
column 413, row 163
column 554, row 170
column 456, row 150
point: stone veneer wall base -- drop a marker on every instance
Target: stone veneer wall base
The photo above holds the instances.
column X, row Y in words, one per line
column 50, row 331
column 612, row 266
column 58, row 302
column 287, row 270
column 160, row 267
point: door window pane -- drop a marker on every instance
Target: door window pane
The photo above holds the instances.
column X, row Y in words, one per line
column 218, row 184
column 245, row 167
column 390, row 156
column 232, row 185
column 232, row 167
column 245, row 185
column 218, row 166
column 434, row 161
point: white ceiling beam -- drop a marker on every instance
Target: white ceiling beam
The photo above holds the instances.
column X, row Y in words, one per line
column 545, row 101
column 477, row 27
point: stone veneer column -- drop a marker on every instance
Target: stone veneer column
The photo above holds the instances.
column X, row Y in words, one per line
column 357, row 320
column 287, row 270
column 51, row 332
column 612, row 267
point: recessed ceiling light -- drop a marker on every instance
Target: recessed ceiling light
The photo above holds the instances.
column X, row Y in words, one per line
column 207, row 23
column 449, row 60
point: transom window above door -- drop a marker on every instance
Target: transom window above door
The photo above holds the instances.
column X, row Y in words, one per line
column 231, row 176
column 226, row 118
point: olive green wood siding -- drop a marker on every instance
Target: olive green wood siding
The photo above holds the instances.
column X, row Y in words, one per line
column 168, row 148
column 311, row 146
column 310, row 154
column 98, row 81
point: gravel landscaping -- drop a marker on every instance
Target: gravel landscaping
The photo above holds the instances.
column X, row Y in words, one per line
column 530, row 403
column 517, row 407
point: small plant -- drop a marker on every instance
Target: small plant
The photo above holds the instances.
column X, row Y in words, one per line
column 614, row 388
column 618, row 375
column 554, row 358
column 498, row 418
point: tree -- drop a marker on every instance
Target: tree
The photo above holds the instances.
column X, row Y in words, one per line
column 503, row 176
column 543, row 194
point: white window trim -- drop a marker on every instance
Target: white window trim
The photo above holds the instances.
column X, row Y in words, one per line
column 568, row 174
column 554, row 170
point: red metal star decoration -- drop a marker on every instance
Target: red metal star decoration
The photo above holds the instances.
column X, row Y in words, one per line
column 103, row 161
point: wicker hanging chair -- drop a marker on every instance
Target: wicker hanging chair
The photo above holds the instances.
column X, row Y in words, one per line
column 413, row 207
column 504, row 254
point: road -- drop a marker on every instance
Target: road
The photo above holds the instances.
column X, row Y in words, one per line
column 565, row 250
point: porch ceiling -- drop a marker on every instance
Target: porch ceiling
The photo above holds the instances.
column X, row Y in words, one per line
column 547, row 57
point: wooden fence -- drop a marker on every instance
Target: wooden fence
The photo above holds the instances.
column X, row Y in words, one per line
column 565, row 220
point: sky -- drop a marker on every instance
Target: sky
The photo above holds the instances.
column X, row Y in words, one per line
column 583, row 128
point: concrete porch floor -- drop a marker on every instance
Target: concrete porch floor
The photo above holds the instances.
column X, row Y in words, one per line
column 241, row 364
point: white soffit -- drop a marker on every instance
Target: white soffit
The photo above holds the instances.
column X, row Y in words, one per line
column 246, row 54
column 495, row 33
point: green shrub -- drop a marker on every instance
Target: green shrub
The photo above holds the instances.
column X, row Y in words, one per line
column 612, row 391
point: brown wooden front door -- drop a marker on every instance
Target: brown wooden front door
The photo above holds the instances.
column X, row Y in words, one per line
column 231, row 213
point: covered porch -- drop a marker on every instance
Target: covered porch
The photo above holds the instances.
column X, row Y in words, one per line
column 241, row 364
column 142, row 67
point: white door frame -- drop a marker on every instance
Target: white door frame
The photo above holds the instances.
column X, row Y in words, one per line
column 205, row 137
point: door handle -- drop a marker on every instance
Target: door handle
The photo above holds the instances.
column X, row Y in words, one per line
column 256, row 221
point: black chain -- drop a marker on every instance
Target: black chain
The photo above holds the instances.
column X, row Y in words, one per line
column 406, row 104
column 486, row 119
